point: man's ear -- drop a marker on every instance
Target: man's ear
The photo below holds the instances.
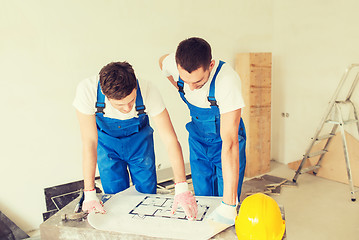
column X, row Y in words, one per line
column 211, row 65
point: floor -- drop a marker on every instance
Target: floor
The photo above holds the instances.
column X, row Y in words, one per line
column 316, row 209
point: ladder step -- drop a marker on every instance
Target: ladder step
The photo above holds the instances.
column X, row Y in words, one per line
column 334, row 115
column 342, row 102
column 332, row 122
column 351, row 121
column 345, row 122
column 317, row 153
column 309, row 169
column 325, row 136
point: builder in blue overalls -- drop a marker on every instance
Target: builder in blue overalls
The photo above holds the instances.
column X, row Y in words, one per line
column 217, row 139
column 113, row 110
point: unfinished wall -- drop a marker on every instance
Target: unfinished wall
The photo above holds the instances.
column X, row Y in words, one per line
column 47, row 47
column 313, row 43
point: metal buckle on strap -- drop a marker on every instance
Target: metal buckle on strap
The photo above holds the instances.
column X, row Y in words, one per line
column 213, row 101
column 180, row 87
column 140, row 109
column 100, row 107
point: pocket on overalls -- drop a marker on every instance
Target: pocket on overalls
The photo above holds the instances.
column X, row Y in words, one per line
column 205, row 124
column 128, row 130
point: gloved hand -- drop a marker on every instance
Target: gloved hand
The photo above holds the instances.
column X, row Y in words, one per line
column 185, row 199
column 224, row 213
column 92, row 203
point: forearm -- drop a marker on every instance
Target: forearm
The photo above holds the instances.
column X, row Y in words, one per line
column 176, row 158
column 89, row 162
column 89, row 148
column 230, row 170
column 173, row 147
column 91, row 202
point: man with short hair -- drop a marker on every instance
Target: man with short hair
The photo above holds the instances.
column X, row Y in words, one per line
column 113, row 110
column 217, row 139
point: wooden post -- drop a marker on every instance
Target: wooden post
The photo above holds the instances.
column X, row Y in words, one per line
column 254, row 70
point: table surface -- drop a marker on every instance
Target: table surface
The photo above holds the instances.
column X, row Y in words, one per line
column 55, row 228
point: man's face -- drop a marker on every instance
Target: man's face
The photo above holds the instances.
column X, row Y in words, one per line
column 124, row 105
column 197, row 78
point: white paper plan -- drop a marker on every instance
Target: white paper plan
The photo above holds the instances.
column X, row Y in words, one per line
column 131, row 212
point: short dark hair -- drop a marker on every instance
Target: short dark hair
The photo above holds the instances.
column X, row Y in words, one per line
column 117, row 80
column 193, row 53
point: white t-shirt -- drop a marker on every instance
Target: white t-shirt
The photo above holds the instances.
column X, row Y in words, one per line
column 227, row 87
column 86, row 97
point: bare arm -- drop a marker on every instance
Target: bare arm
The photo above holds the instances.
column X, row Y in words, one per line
column 89, row 148
column 174, row 83
column 169, row 138
column 230, row 155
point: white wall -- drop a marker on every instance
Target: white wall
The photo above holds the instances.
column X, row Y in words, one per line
column 47, row 47
column 313, row 43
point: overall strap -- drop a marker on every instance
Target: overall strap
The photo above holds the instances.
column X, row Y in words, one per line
column 140, row 108
column 211, row 98
column 100, row 103
column 180, row 85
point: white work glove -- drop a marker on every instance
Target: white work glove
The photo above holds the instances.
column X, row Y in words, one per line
column 224, row 213
column 92, row 203
column 185, row 199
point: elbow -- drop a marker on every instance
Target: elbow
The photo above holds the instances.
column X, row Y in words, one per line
column 230, row 146
column 160, row 61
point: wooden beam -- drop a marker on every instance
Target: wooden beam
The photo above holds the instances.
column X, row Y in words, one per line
column 254, row 70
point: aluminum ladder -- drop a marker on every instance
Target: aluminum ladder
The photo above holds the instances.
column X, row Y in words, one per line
column 334, row 110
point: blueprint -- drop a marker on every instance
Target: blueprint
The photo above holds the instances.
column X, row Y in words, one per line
column 149, row 215
column 160, row 206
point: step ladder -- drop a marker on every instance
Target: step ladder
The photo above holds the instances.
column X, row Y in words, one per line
column 334, row 116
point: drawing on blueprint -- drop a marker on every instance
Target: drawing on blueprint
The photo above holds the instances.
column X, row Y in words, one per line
column 156, row 206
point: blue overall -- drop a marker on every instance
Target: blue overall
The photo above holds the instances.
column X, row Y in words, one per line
column 205, row 145
column 125, row 144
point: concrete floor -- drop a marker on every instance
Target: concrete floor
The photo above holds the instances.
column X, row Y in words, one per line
column 318, row 208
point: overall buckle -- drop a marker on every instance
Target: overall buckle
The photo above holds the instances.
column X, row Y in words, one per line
column 213, row 101
column 100, row 107
column 140, row 109
column 180, row 87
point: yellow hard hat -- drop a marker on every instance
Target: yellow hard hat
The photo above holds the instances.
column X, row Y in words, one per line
column 259, row 218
